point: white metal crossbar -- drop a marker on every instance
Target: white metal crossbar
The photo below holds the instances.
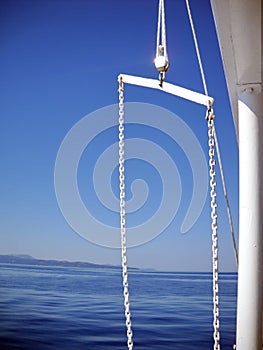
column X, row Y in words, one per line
column 167, row 87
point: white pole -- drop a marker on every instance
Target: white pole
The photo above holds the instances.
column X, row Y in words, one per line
column 250, row 274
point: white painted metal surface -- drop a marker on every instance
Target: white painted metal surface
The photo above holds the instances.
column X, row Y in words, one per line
column 169, row 88
column 250, row 279
column 239, row 27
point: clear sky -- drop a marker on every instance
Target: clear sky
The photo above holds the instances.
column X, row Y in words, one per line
column 59, row 63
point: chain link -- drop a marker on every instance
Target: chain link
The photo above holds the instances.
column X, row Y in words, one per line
column 122, row 217
column 212, row 173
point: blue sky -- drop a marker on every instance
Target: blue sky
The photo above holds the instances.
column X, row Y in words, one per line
column 59, row 63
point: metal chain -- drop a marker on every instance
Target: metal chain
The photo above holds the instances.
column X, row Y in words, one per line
column 122, row 217
column 211, row 143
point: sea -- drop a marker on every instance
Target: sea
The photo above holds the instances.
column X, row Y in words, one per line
column 44, row 308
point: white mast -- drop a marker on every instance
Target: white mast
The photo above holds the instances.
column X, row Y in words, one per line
column 239, row 28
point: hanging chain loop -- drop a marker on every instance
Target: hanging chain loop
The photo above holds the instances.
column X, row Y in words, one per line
column 122, row 217
column 212, row 173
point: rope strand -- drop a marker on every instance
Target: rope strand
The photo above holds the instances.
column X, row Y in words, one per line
column 196, row 47
column 164, row 32
column 158, row 29
column 226, row 197
column 161, row 32
column 215, row 136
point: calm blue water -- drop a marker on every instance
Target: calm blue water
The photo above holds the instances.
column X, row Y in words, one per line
column 45, row 308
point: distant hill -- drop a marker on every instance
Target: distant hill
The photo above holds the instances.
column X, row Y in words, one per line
column 30, row 260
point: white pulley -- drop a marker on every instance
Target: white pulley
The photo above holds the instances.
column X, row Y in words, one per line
column 161, row 64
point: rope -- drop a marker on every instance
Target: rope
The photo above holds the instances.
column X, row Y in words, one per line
column 164, row 32
column 161, row 59
column 211, row 142
column 196, row 47
column 215, row 136
column 226, row 197
column 158, row 29
column 161, row 34
column 122, row 217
